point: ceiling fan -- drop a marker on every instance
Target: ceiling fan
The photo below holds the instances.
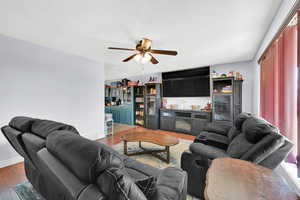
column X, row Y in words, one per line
column 144, row 52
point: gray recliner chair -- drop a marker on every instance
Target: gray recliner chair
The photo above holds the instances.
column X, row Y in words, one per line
column 250, row 138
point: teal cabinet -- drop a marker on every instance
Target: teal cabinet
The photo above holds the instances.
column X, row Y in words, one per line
column 122, row 114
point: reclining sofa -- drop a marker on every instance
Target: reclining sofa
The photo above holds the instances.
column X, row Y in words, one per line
column 249, row 138
column 62, row 165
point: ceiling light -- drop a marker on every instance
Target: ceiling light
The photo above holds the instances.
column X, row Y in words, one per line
column 146, row 58
column 138, row 57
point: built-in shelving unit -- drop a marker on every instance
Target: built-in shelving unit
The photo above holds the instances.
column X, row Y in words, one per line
column 152, row 105
column 226, row 99
column 139, row 105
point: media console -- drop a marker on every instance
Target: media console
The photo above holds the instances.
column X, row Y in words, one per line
column 184, row 121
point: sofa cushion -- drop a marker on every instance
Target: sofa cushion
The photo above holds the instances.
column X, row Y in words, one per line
column 138, row 170
column 232, row 133
column 207, row 151
column 116, row 183
column 217, row 128
column 33, row 144
column 60, row 183
column 255, row 129
column 22, row 124
column 44, row 127
column 171, row 184
column 147, row 186
column 239, row 146
column 238, row 122
column 85, row 158
column 213, row 137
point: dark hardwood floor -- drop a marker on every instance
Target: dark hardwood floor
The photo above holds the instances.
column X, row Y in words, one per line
column 12, row 175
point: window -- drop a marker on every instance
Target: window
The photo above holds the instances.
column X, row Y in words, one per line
column 280, row 82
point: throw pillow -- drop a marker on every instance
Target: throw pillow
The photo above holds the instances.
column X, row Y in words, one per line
column 115, row 183
column 147, row 186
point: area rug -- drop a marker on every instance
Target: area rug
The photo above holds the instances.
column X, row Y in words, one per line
column 23, row 191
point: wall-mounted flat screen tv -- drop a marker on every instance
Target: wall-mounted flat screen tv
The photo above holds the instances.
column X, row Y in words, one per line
column 187, row 83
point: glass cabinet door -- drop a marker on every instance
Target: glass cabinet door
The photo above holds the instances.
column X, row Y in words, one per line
column 222, row 107
column 151, row 105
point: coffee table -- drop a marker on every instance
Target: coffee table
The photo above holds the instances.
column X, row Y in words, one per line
column 155, row 138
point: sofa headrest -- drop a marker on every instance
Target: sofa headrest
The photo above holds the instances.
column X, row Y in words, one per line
column 44, row 127
column 238, row 122
column 255, row 129
column 22, row 124
column 85, row 158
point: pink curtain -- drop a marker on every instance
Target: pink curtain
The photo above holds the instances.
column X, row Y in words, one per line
column 279, row 85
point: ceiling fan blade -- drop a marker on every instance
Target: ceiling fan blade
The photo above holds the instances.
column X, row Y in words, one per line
column 165, row 52
column 129, row 58
column 116, row 48
column 153, row 60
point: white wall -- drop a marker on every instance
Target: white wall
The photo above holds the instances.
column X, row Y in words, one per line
column 246, row 69
column 44, row 83
column 278, row 20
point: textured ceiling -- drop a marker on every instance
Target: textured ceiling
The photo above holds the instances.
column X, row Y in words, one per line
column 204, row 32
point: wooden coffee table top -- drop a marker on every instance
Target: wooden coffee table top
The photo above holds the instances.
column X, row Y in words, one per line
column 152, row 137
column 229, row 179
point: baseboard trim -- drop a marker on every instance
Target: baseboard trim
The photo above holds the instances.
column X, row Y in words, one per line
column 11, row 161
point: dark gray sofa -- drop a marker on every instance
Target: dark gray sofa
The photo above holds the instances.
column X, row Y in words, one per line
column 61, row 164
column 250, row 138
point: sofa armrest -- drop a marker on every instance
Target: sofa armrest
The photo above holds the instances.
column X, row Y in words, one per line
column 212, row 139
column 207, row 151
column 91, row 192
column 196, row 167
column 221, row 129
column 264, row 148
column 171, row 184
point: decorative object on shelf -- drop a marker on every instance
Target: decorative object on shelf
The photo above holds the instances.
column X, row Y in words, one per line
column 214, row 74
column 236, row 75
column 174, row 106
column 164, row 102
column 195, row 107
column 133, row 83
column 207, row 108
column 152, row 79
column 143, row 52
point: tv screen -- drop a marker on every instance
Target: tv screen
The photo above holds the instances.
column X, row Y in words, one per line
column 187, row 83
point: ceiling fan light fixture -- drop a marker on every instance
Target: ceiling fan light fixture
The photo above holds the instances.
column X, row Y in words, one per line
column 138, row 57
column 146, row 58
column 143, row 52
